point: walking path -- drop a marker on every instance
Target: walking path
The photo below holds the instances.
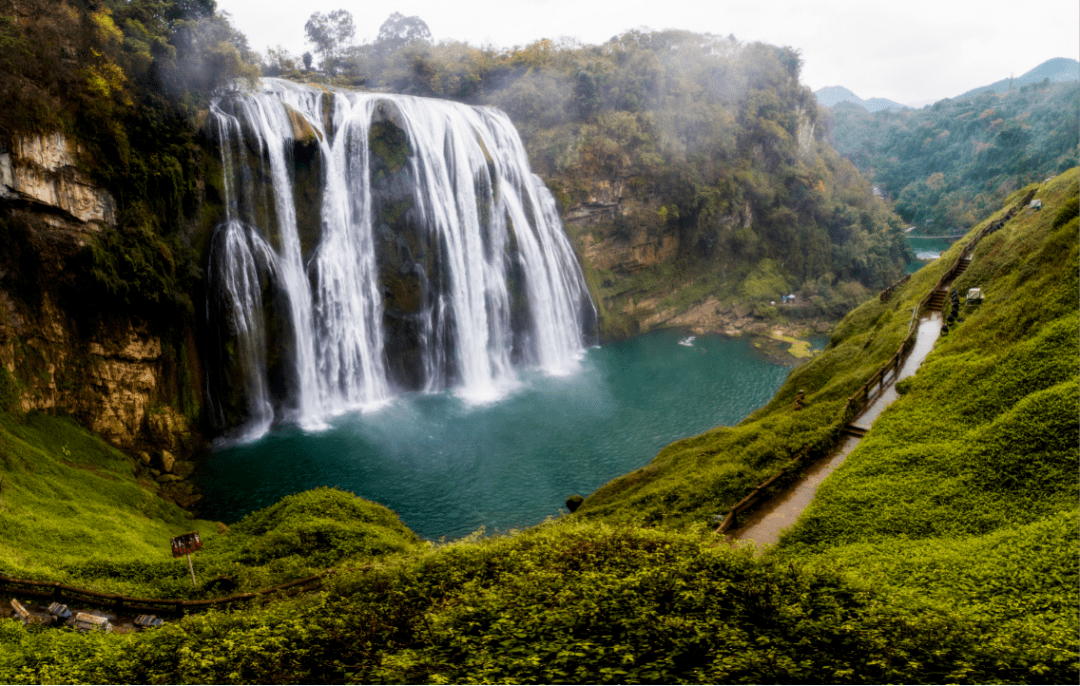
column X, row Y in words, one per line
column 765, row 524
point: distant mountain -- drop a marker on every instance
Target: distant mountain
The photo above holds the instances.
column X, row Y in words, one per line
column 1057, row 69
column 832, row 95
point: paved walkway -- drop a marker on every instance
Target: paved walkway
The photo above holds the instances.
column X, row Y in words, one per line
column 765, row 524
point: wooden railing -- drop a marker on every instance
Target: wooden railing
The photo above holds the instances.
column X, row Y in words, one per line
column 858, row 401
column 58, row 592
column 861, row 398
column 888, row 292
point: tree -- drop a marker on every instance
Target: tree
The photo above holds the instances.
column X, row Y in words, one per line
column 399, row 31
column 307, row 61
column 278, row 61
column 330, row 34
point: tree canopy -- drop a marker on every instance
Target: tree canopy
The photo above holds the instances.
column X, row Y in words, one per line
column 330, row 34
column 947, row 165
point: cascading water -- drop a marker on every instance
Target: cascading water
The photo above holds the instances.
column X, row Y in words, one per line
column 375, row 243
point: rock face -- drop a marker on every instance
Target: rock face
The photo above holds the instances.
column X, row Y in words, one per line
column 111, row 381
column 111, row 373
column 624, row 235
column 40, row 172
column 641, row 249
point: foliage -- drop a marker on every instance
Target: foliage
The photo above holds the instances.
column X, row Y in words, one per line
column 948, row 165
column 399, row 31
column 697, row 478
column 68, row 499
column 329, row 33
column 942, row 551
column 321, row 527
column 73, row 510
column 125, row 80
column 964, row 493
column 562, row 602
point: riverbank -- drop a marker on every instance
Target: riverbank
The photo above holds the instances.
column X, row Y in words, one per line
column 782, row 341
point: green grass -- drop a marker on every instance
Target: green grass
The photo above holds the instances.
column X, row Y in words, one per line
column 965, row 493
column 697, row 478
column 72, row 510
column 68, row 497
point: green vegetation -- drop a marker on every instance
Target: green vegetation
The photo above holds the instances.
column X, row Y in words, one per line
column 943, row 550
column 68, row 499
column 125, row 81
column 965, row 493
column 73, row 509
column 949, row 165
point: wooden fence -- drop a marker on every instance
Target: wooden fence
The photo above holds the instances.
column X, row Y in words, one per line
column 861, row 398
column 888, row 292
column 58, row 592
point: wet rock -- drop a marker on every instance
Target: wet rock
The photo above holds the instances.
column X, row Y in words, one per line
column 183, row 469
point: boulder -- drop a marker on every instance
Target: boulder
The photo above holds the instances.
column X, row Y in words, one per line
column 167, row 461
column 183, row 469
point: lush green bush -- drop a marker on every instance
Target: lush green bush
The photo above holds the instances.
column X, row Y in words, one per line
column 564, row 602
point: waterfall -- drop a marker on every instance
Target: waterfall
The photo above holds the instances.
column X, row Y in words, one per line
column 374, row 244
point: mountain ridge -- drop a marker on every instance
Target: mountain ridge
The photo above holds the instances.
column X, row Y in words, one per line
column 1054, row 69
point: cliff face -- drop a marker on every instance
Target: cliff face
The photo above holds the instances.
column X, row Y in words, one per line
column 717, row 244
column 113, row 373
column 41, row 172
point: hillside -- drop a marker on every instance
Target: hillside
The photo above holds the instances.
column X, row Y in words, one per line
column 877, row 583
column 1057, row 69
column 946, row 166
column 692, row 173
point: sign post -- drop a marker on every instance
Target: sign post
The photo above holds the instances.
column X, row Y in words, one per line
column 186, row 544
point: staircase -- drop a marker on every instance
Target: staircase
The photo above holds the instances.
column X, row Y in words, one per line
column 964, row 263
column 852, row 430
column 937, row 299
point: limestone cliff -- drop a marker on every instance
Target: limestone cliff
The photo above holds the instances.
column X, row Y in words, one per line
column 112, row 372
column 40, row 172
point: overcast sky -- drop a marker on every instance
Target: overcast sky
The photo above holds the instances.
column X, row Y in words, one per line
column 913, row 51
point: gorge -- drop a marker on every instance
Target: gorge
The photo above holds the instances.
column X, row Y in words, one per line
column 351, row 317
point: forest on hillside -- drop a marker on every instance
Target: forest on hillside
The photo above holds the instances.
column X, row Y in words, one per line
column 947, row 165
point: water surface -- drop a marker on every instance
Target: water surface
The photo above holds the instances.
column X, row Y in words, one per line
column 448, row 467
column 926, row 249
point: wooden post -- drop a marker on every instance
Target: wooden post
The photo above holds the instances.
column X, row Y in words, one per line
column 192, row 570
